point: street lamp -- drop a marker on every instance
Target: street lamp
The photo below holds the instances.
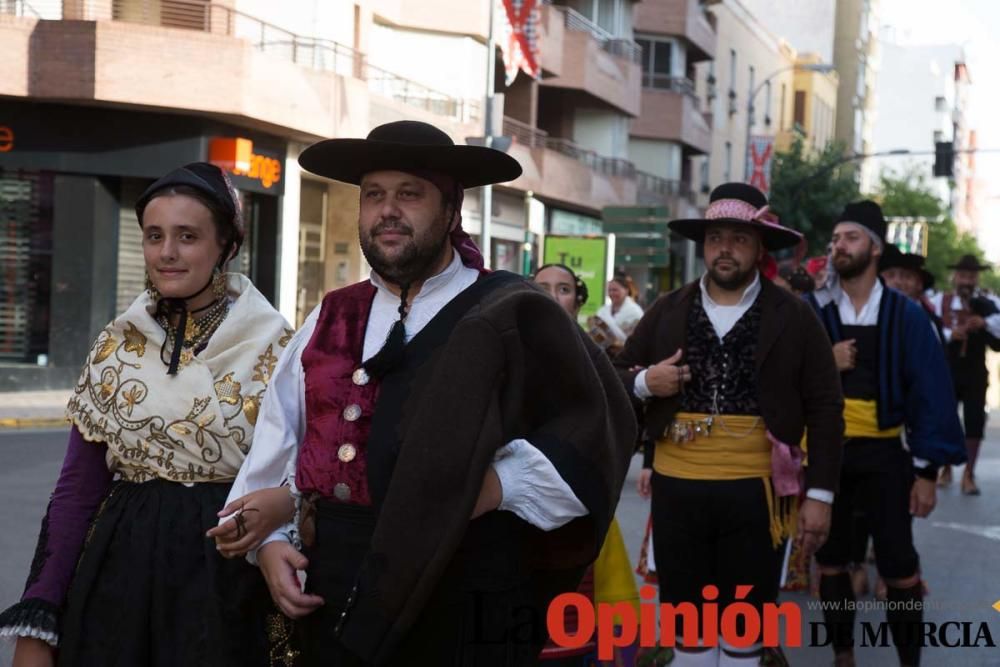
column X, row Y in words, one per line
column 822, row 68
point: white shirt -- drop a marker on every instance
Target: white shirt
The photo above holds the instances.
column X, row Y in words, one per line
column 866, row 317
column 992, row 322
column 532, row 488
column 723, row 319
column 622, row 322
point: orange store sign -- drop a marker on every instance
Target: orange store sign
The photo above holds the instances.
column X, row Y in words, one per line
column 236, row 156
column 6, row 139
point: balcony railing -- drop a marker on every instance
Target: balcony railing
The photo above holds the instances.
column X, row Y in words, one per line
column 616, row 46
column 652, row 184
column 534, row 138
column 678, row 84
column 387, row 84
column 319, row 54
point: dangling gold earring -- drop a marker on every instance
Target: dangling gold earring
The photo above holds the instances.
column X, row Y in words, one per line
column 154, row 294
column 219, row 284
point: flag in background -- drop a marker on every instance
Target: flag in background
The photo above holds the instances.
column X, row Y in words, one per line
column 519, row 38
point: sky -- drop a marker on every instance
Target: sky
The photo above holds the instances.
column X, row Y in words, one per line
column 974, row 24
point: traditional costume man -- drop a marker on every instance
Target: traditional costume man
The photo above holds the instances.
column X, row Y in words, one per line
column 893, row 374
column 905, row 272
column 971, row 320
column 757, row 374
column 393, row 405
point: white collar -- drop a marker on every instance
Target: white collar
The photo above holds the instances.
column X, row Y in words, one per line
column 432, row 284
column 747, row 299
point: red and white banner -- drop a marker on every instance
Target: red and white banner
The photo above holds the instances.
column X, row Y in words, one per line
column 519, row 37
column 760, row 157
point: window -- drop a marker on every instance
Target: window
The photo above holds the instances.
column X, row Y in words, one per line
column 781, row 108
column 656, row 61
column 940, row 103
column 727, row 174
column 799, row 110
column 750, row 97
column 767, row 104
column 26, row 244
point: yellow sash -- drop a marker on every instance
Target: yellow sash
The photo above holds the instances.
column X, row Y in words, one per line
column 861, row 420
column 737, row 447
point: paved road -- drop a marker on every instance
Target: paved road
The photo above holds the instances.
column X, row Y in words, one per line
column 959, row 544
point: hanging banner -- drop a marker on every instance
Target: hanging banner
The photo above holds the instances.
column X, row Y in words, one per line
column 519, row 37
column 759, row 160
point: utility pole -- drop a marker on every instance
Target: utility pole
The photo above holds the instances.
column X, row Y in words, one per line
column 486, row 198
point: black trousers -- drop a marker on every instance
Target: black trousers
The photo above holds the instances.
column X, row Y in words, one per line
column 876, row 478
column 485, row 611
column 970, row 391
column 713, row 532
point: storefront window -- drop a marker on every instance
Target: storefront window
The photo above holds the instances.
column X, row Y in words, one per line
column 312, row 247
column 26, row 249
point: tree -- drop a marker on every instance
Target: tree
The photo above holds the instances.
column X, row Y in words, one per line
column 909, row 195
column 809, row 190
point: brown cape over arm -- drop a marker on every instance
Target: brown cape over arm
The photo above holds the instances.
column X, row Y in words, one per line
column 516, row 366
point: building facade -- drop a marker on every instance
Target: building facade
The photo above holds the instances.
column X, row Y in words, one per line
column 856, row 57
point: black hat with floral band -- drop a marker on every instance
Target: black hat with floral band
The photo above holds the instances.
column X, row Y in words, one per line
column 739, row 204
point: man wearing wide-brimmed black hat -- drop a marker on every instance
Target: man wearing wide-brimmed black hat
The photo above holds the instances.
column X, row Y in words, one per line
column 893, row 374
column 971, row 321
column 456, row 444
column 905, row 272
column 731, row 369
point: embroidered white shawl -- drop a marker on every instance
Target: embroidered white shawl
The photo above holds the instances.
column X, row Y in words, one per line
column 197, row 425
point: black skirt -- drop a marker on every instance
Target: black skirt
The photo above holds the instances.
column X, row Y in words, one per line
column 151, row 589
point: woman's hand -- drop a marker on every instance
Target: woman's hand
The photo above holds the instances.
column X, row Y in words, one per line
column 31, row 652
column 254, row 517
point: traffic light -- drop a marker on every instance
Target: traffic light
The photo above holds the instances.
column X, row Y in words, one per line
column 944, row 159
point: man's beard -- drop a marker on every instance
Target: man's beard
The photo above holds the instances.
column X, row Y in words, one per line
column 855, row 267
column 965, row 291
column 732, row 282
column 414, row 262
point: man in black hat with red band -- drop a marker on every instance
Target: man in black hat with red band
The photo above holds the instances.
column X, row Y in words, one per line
column 457, row 444
column 971, row 320
column 731, row 370
column 893, row 375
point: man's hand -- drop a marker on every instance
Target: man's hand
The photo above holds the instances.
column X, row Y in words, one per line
column 959, row 333
column 923, row 497
column 667, row 378
column 644, row 484
column 814, row 525
column 490, row 495
column 255, row 516
column 278, row 562
column 31, row 652
column 974, row 323
column 846, row 354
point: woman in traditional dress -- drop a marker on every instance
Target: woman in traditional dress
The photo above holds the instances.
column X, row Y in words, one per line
column 162, row 417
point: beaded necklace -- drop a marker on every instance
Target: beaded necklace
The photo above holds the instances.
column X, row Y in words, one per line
column 196, row 331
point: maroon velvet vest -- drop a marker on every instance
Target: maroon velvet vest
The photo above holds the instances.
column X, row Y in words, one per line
column 340, row 400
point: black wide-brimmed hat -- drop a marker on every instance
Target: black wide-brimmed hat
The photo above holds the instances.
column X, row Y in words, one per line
column 866, row 213
column 410, row 146
column 970, row 263
column 739, row 204
column 893, row 258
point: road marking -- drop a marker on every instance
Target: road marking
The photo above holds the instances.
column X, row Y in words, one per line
column 989, row 532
